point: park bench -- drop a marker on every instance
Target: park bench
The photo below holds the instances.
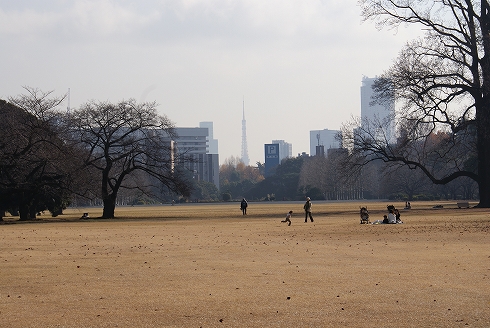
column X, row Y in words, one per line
column 463, row 205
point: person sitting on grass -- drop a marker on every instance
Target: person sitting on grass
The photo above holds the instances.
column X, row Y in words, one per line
column 391, row 217
column 397, row 216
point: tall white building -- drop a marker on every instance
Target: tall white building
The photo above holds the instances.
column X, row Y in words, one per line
column 212, row 143
column 323, row 139
column 285, row 149
column 374, row 112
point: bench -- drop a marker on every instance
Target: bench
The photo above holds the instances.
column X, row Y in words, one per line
column 463, row 205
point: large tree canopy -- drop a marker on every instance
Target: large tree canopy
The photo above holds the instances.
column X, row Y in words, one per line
column 131, row 146
column 441, row 82
column 282, row 185
column 37, row 168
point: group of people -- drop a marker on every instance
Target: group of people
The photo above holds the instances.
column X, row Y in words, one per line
column 306, row 207
column 393, row 216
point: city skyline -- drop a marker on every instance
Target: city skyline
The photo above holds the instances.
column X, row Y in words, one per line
column 299, row 65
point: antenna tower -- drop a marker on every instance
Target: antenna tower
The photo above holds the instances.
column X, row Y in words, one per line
column 68, row 101
column 245, row 158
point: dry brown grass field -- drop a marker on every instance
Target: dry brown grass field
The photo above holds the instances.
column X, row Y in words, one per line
column 209, row 266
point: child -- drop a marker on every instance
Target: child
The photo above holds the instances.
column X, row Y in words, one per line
column 288, row 218
column 397, row 215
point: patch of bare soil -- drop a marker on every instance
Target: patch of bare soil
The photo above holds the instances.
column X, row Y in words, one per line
column 213, row 267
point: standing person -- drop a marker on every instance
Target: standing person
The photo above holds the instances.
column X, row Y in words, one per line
column 243, row 206
column 307, row 208
column 288, row 218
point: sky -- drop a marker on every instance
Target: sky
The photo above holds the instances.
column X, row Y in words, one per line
column 294, row 66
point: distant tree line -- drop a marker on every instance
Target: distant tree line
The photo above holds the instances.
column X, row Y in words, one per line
column 110, row 154
column 336, row 178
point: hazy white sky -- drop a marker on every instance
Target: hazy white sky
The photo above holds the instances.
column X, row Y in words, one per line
column 297, row 64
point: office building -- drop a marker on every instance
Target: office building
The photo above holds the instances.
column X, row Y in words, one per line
column 193, row 151
column 212, row 143
column 271, row 158
column 285, row 149
column 323, row 140
column 374, row 114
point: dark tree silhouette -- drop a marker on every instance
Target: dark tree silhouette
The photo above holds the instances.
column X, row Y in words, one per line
column 37, row 167
column 131, row 146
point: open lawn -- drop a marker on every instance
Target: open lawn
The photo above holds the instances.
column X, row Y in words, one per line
column 209, row 266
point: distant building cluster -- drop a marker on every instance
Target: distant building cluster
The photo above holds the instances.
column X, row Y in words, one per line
column 201, row 145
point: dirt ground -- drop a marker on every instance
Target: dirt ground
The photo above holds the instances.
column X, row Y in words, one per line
column 209, row 266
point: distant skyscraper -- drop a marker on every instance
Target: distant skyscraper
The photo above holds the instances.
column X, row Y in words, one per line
column 245, row 158
column 322, row 140
column 373, row 112
column 213, row 143
column 285, row 149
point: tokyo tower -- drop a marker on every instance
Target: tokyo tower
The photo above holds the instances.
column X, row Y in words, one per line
column 245, row 158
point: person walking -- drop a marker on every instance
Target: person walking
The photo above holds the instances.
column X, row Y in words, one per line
column 243, row 206
column 307, row 208
column 288, row 218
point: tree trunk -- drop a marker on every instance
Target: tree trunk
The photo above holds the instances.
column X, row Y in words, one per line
column 483, row 113
column 32, row 212
column 24, row 213
column 484, row 156
column 109, row 207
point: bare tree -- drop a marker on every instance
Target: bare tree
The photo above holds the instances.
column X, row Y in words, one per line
column 400, row 179
column 128, row 140
column 442, row 82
